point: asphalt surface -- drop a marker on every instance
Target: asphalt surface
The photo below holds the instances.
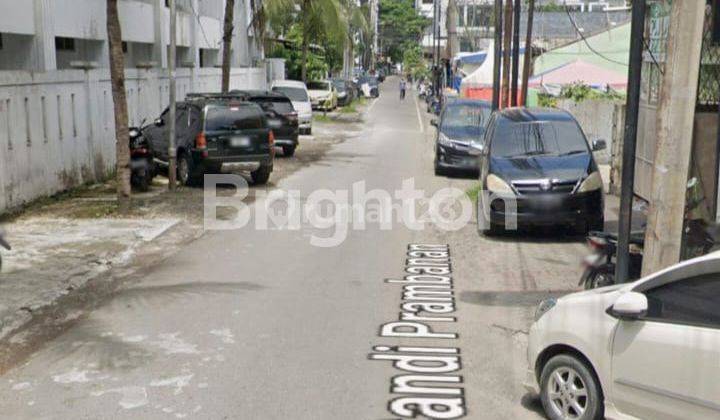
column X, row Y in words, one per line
column 261, row 324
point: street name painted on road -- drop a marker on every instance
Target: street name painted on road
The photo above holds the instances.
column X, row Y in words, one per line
column 427, row 296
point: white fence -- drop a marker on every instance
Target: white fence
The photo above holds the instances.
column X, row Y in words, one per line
column 57, row 128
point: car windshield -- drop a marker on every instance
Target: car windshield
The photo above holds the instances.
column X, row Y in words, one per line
column 318, row 86
column 522, row 139
column 244, row 117
column 295, row 94
column 339, row 85
column 469, row 119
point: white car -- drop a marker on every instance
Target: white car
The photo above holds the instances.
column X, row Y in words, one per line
column 322, row 95
column 298, row 94
column 643, row 350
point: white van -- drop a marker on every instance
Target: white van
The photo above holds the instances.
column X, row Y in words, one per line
column 298, row 94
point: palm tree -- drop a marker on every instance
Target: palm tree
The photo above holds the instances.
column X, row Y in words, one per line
column 358, row 18
column 228, row 28
column 117, row 77
column 317, row 18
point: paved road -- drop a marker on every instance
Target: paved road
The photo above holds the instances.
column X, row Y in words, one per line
column 251, row 324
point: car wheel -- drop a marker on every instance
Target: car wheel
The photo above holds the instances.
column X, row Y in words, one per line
column 261, row 176
column 569, row 390
column 288, row 151
column 186, row 173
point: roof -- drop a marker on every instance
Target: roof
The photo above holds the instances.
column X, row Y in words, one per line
column 583, row 72
column 613, row 45
column 521, row 114
column 466, row 101
column 289, row 83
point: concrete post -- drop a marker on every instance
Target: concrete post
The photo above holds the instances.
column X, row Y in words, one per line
column 675, row 118
column 160, row 55
column 43, row 46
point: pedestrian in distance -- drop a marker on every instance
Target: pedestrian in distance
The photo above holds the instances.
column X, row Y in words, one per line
column 403, row 86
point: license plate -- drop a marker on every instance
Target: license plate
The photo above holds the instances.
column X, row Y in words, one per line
column 240, row 142
column 274, row 123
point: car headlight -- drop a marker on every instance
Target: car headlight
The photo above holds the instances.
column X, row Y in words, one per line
column 445, row 140
column 496, row 185
column 544, row 307
column 591, row 183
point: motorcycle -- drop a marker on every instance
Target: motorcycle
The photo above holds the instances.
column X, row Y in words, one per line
column 599, row 266
column 4, row 244
column 699, row 239
column 142, row 165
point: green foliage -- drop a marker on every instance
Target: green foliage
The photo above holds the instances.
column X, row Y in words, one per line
column 547, row 101
column 414, row 63
column 401, row 27
column 579, row 92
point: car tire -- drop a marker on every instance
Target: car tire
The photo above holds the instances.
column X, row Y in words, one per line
column 261, row 175
column 439, row 171
column 187, row 174
column 568, row 387
column 288, row 151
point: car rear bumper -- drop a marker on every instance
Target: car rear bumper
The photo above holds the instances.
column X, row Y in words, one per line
column 293, row 141
column 234, row 162
column 548, row 209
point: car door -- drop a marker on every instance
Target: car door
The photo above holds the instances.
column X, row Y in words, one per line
column 156, row 135
column 666, row 365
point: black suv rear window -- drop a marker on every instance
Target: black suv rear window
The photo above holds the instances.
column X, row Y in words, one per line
column 280, row 105
column 241, row 117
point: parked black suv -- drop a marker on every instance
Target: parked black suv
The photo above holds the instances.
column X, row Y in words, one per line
column 216, row 135
column 462, row 122
column 538, row 169
column 281, row 116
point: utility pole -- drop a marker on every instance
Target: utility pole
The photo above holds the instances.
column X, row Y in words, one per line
column 497, row 65
column 515, row 53
column 172, row 152
column 632, row 109
column 507, row 38
column 527, row 65
column 675, row 120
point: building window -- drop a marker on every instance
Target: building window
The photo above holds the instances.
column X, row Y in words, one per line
column 1, row 42
column 124, row 47
column 64, row 44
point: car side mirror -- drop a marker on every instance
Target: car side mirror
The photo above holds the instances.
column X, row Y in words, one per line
column 159, row 122
column 476, row 149
column 629, row 306
column 434, row 122
column 598, row 145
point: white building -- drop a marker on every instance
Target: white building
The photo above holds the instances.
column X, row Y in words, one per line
column 56, row 110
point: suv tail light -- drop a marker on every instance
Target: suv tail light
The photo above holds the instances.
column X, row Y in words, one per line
column 271, row 139
column 201, row 143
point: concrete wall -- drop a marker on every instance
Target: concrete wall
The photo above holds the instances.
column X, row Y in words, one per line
column 57, row 128
column 602, row 119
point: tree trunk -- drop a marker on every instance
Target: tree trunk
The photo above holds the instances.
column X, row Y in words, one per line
column 117, row 77
column 507, row 45
column 227, row 44
column 527, row 65
column 305, row 39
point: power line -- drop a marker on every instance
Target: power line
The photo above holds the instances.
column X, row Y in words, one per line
column 202, row 29
column 582, row 36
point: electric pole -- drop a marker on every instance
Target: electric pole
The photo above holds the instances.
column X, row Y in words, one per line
column 507, row 39
column 675, row 121
column 515, row 53
column 172, row 152
column 527, row 65
column 497, row 65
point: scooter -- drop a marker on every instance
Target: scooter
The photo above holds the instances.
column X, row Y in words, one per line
column 142, row 165
column 599, row 266
column 4, row 244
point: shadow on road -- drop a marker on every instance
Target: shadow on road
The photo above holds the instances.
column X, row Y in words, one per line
column 512, row 298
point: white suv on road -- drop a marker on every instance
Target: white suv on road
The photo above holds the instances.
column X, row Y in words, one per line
column 298, row 93
column 644, row 350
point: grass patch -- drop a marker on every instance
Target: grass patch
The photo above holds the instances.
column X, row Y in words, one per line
column 318, row 117
column 349, row 108
column 473, row 192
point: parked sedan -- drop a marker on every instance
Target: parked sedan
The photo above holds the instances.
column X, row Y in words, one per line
column 215, row 135
column 644, row 350
column 536, row 168
column 462, row 122
column 345, row 91
column 323, row 95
